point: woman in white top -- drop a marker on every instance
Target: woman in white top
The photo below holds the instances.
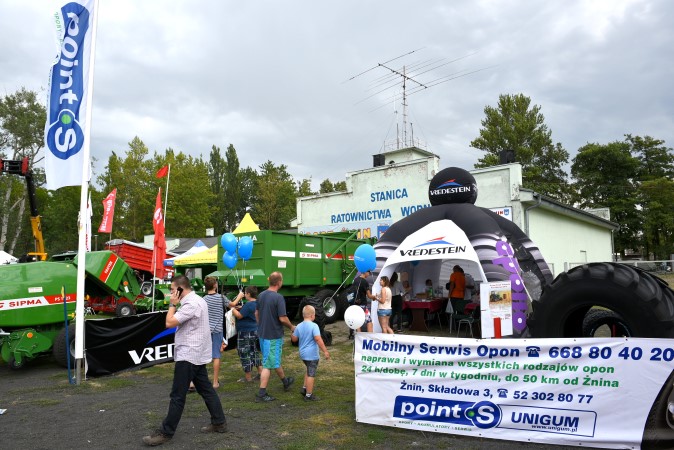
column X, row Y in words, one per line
column 384, row 310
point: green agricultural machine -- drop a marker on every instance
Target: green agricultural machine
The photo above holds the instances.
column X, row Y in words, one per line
column 317, row 266
column 31, row 303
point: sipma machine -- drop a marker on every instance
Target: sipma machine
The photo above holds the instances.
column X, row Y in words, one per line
column 32, row 311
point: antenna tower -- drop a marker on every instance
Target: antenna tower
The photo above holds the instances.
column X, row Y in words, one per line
column 408, row 77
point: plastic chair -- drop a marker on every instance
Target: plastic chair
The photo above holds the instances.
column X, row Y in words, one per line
column 472, row 318
column 459, row 307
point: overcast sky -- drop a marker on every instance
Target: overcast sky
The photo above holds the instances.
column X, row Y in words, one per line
column 269, row 76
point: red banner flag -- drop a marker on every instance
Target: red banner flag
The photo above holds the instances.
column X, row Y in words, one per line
column 161, row 173
column 108, row 212
column 159, row 239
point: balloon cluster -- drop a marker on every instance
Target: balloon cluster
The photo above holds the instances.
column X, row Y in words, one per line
column 243, row 248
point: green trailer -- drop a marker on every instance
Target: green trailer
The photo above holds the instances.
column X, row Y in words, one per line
column 31, row 302
column 318, row 266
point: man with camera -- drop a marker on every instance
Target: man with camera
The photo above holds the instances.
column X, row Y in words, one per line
column 191, row 353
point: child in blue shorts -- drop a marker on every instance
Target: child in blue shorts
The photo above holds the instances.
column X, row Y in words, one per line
column 309, row 337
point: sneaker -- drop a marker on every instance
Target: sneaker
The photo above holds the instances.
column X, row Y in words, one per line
column 286, row 387
column 243, row 380
column 256, row 377
column 303, row 391
column 156, row 438
column 265, row 398
column 313, row 398
column 221, row 428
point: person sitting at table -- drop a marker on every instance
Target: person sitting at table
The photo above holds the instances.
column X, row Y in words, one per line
column 429, row 289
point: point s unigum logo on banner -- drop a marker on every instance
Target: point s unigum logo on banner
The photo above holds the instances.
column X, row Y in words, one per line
column 64, row 137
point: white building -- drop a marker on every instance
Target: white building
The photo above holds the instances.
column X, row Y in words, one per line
column 397, row 186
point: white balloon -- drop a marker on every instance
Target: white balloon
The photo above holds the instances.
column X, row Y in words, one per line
column 354, row 317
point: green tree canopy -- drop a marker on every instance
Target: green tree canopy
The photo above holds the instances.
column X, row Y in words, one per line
column 606, row 176
column 22, row 120
column 304, row 188
column 514, row 125
column 216, row 175
column 275, row 205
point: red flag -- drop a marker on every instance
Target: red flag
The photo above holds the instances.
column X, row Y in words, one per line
column 159, row 239
column 161, row 173
column 108, row 212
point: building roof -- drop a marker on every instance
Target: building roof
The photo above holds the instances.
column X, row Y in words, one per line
column 529, row 197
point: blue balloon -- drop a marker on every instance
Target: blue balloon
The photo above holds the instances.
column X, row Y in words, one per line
column 365, row 258
column 245, row 248
column 228, row 242
column 229, row 259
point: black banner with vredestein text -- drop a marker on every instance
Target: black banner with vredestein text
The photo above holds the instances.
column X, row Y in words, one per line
column 123, row 343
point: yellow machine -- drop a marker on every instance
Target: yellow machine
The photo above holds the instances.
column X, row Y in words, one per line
column 22, row 168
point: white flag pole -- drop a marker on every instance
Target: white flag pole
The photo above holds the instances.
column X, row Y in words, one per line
column 81, row 249
column 168, row 177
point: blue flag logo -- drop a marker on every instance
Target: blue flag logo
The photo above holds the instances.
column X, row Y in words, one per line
column 64, row 136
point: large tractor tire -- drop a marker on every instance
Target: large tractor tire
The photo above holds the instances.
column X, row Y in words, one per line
column 645, row 302
column 60, row 345
column 659, row 428
column 125, row 309
column 330, row 303
column 604, row 323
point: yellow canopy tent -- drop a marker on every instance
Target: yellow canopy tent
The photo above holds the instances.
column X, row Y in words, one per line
column 209, row 256
column 247, row 225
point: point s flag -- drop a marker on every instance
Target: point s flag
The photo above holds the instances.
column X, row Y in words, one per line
column 159, row 239
column 69, row 95
column 108, row 212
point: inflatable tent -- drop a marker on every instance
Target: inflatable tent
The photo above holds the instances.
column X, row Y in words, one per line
column 427, row 243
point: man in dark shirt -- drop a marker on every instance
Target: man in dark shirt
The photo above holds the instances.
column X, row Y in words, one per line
column 364, row 298
column 271, row 318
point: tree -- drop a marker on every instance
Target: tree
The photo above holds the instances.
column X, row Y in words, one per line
column 326, row 187
column 655, row 159
column 655, row 174
column 232, row 180
column 275, row 205
column 190, row 199
column 216, row 175
column 340, row 186
column 304, row 188
column 606, row 176
column 515, row 126
column 249, row 179
column 658, row 221
column 22, row 120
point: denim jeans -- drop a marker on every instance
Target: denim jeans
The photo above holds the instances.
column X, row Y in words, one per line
column 183, row 373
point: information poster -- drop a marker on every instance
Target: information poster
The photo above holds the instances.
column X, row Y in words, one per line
column 610, row 393
column 496, row 303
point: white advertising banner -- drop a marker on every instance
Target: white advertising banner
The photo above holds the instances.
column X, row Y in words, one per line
column 610, row 393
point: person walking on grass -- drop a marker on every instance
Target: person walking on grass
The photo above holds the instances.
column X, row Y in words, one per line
column 218, row 304
column 192, row 351
column 247, row 340
column 271, row 318
column 308, row 335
